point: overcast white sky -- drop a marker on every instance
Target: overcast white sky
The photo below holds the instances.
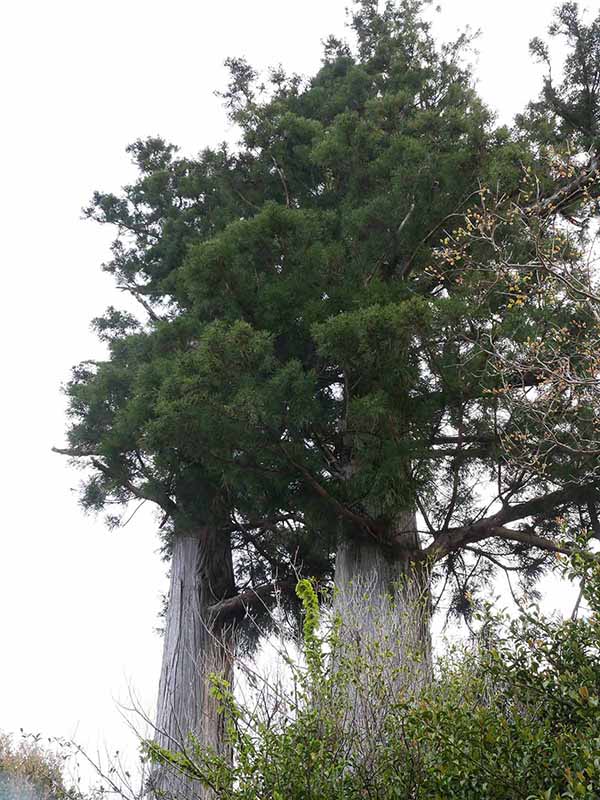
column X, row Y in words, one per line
column 82, row 79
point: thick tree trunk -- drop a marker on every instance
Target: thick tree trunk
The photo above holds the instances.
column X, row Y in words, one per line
column 382, row 601
column 194, row 648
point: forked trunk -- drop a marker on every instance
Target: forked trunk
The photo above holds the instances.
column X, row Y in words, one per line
column 194, row 648
column 382, row 602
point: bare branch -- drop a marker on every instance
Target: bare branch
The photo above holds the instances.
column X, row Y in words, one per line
column 569, row 193
column 495, row 525
column 75, row 452
column 235, row 608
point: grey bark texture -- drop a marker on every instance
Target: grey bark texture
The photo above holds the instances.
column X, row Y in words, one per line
column 382, row 601
column 194, row 648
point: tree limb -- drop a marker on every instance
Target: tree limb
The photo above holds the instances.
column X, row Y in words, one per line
column 75, row 452
column 495, row 525
column 236, row 608
column 569, row 193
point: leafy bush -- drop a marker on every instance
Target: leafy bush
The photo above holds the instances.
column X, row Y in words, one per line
column 28, row 771
column 514, row 715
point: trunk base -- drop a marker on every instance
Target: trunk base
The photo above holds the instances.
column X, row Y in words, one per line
column 187, row 718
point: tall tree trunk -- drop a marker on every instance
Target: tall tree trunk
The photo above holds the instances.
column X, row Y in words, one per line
column 383, row 603
column 194, row 648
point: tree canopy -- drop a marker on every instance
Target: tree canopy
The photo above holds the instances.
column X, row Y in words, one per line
column 378, row 300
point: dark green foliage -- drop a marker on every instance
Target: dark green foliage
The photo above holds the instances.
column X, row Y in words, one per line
column 329, row 320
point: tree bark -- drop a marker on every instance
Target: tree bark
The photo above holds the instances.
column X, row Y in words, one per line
column 382, row 601
column 195, row 646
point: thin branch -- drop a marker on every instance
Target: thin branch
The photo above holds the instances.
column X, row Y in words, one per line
column 364, row 523
column 135, row 292
column 76, row 452
column 575, row 611
column 283, row 180
column 406, row 219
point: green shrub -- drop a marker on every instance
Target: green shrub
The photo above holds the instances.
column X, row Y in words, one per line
column 511, row 717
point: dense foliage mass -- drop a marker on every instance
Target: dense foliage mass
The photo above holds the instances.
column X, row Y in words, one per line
column 514, row 715
column 335, row 307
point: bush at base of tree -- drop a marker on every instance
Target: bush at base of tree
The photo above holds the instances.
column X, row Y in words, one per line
column 513, row 717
